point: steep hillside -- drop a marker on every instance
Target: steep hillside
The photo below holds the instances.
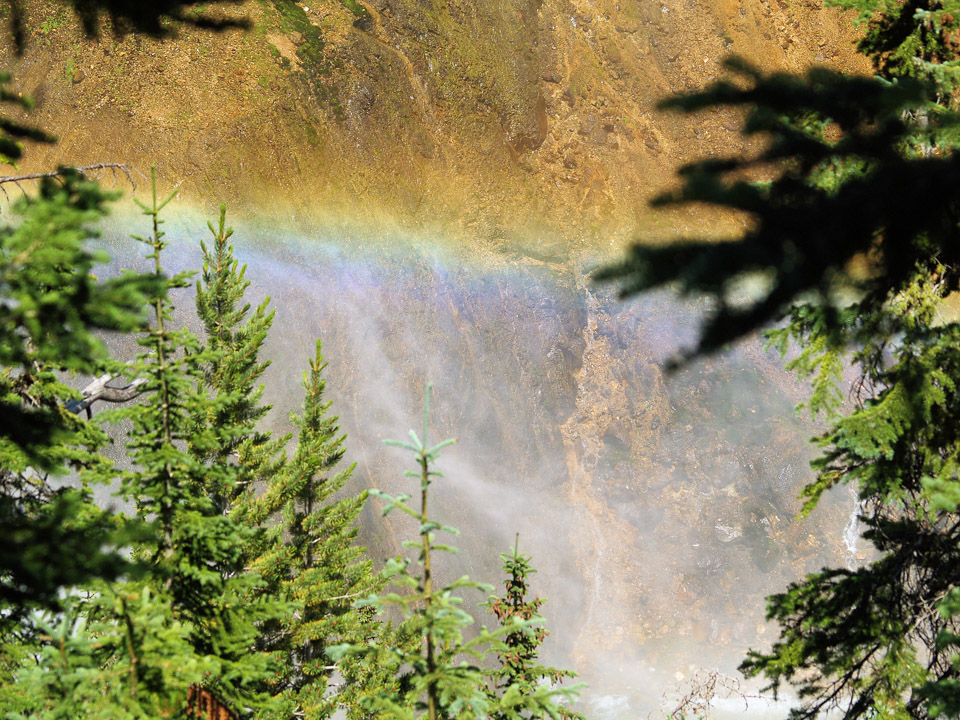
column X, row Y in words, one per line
column 500, row 118
column 523, row 136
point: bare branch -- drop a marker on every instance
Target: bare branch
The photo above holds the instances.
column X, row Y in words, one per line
column 99, row 390
column 87, row 171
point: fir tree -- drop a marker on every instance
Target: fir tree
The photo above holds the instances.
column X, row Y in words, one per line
column 309, row 556
column 521, row 645
column 51, row 308
column 441, row 677
column 120, row 653
column 234, row 338
column 879, row 634
column 324, row 570
column 911, row 39
column 195, row 554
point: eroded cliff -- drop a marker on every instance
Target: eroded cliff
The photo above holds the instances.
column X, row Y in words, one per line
column 529, row 124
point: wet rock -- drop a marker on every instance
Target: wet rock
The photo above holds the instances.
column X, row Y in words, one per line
column 727, row 533
column 78, row 76
column 296, row 38
column 551, row 77
column 360, row 102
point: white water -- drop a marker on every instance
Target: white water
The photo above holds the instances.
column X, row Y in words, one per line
column 851, row 531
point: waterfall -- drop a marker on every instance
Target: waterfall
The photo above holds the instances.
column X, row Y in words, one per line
column 851, row 531
column 657, row 508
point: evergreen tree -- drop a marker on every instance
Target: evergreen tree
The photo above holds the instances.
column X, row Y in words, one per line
column 309, row 556
column 194, row 556
column 119, row 654
column 234, row 369
column 521, row 645
column 911, row 39
column 854, row 207
column 877, row 633
column 51, row 308
column 441, row 677
column 324, row 571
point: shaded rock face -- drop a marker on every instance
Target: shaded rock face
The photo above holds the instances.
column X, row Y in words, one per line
column 659, row 509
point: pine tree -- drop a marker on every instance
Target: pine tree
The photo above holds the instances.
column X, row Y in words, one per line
column 441, row 677
column 521, row 645
column 324, row 570
column 194, row 556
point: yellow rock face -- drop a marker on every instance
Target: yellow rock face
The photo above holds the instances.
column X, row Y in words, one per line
column 492, row 120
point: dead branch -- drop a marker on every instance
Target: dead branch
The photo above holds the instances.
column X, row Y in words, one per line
column 87, row 171
column 695, row 696
column 100, row 390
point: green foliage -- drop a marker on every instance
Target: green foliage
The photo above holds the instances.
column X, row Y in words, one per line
column 442, row 678
column 315, row 562
column 195, row 552
column 51, row 307
column 361, row 13
column 517, row 655
column 911, row 39
column 309, row 556
column 854, row 241
column 234, row 369
column 871, row 632
column 820, row 359
column 114, row 655
column 60, row 541
column 191, row 609
column 815, row 229
column 315, row 63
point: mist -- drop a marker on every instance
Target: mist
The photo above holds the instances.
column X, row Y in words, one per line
column 660, row 509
